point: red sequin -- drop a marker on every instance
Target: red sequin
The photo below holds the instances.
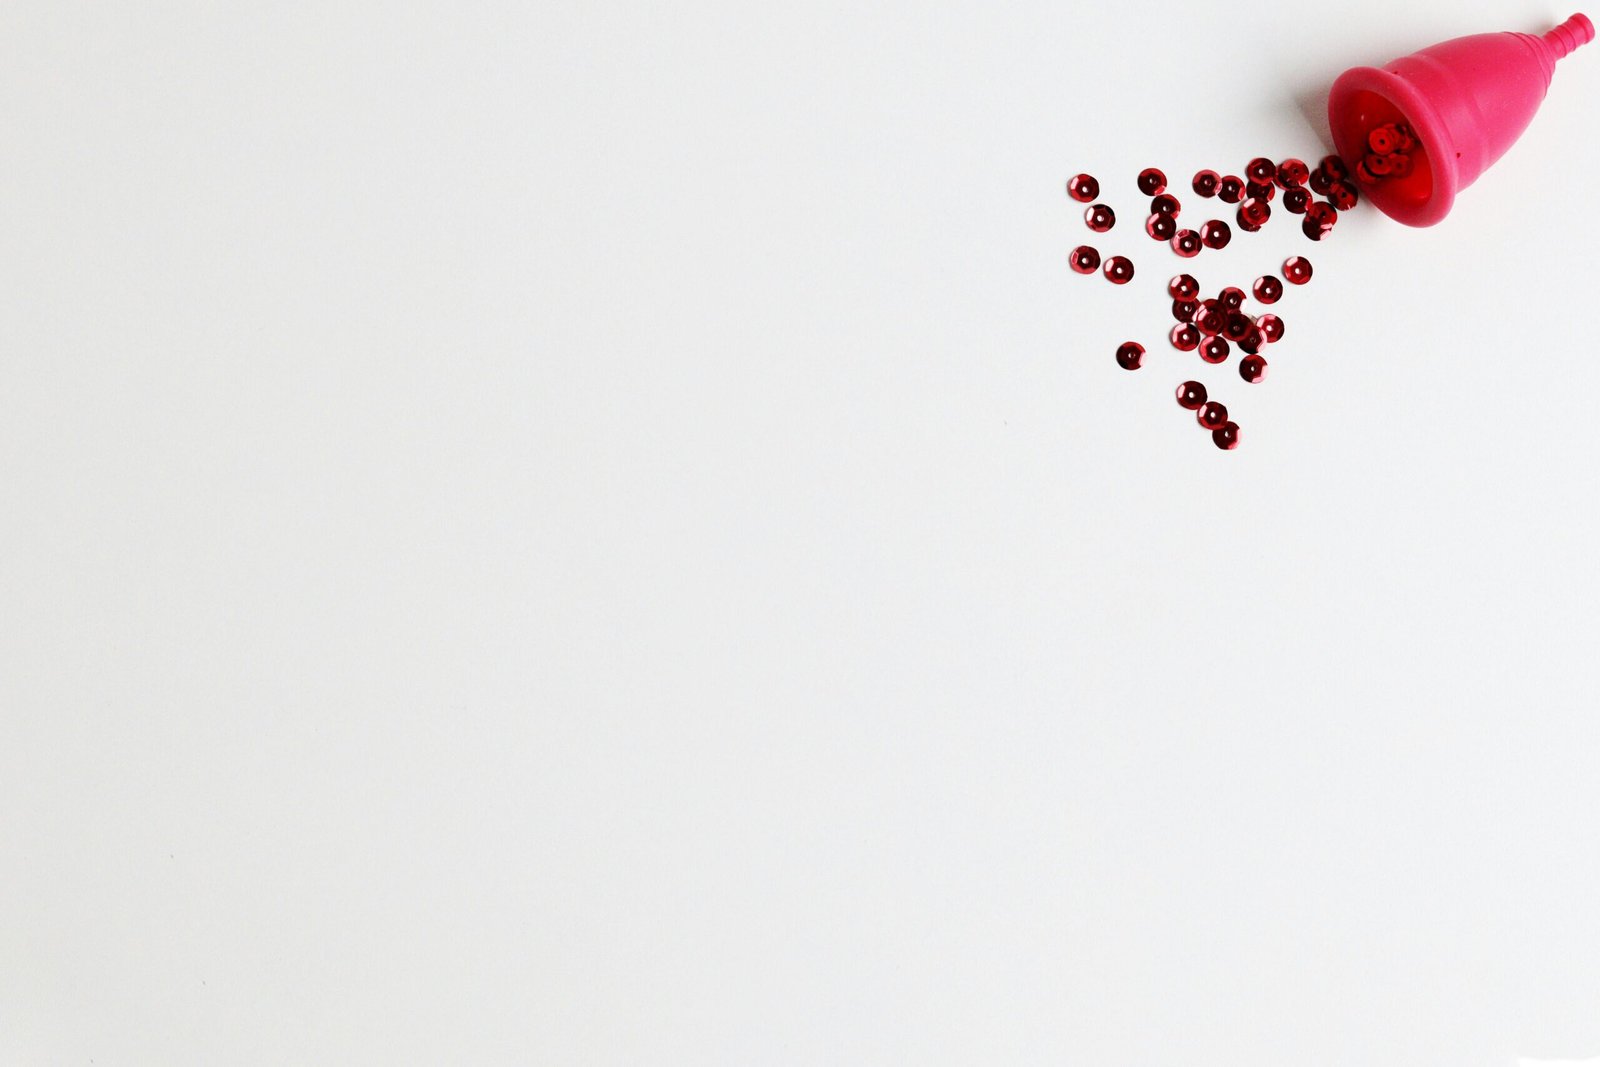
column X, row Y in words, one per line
column 1186, row 243
column 1260, row 169
column 1130, row 355
column 1343, row 196
column 1264, row 191
column 1226, row 436
column 1295, row 200
column 1166, row 204
column 1322, row 214
column 1185, row 337
column 1237, row 327
column 1334, row 168
column 1160, row 226
column 1211, row 415
column 1383, row 140
column 1297, row 270
column 1099, row 217
column 1085, row 260
column 1191, row 395
column 1184, row 309
column 1271, row 328
column 1119, row 269
column 1205, row 183
column 1292, row 172
column 1151, row 181
column 1183, row 287
column 1311, row 229
column 1216, row 234
column 1252, row 369
column 1231, row 189
column 1231, row 298
column 1252, row 340
column 1214, row 350
column 1210, row 318
column 1254, row 213
column 1083, row 188
column 1267, row 289
column 1321, row 181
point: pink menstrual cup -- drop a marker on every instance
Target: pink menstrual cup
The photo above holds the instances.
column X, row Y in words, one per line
column 1467, row 101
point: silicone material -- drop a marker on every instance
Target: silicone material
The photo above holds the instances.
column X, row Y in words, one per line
column 1468, row 101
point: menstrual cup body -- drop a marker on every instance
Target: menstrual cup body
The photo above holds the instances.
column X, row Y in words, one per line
column 1468, row 100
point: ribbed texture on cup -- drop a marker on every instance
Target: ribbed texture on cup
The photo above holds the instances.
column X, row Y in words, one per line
column 1573, row 33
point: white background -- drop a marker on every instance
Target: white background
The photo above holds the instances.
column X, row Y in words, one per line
column 579, row 533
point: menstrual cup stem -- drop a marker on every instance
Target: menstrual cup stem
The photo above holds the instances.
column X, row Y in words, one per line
column 1573, row 33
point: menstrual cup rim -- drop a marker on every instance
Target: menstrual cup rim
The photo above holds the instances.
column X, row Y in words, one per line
column 1415, row 106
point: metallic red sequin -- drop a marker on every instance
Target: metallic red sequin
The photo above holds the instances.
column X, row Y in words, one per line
column 1297, row 270
column 1252, row 369
column 1237, row 327
column 1226, row 436
column 1205, row 183
column 1254, row 213
column 1099, row 217
column 1383, row 140
column 1211, row 415
column 1191, row 395
column 1119, row 269
column 1084, row 259
column 1160, row 226
column 1083, row 188
column 1311, row 229
column 1260, row 169
column 1214, row 350
column 1184, row 309
column 1271, row 328
column 1323, row 214
column 1216, row 234
column 1231, row 189
column 1295, row 200
column 1211, row 318
column 1264, row 191
column 1321, row 181
column 1252, row 341
column 1343, row 196
column 1292, row 172
column 1231, row 298
column 1185, row 337
column 1183, row 287
column 1130, row 355
column 1151, row 181
column 1334, row 167
column 1267, row 289
column 1186, row 243
column 1166, row 204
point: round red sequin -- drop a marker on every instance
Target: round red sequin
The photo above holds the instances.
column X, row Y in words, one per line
column 1231, row 189
column 1271, row 328
column 1252, row 369
column 1264, row 191
column 1166, row 204
column 1183, row 287
column 1205, row 183
column 1295, row 200
column 1216, row 234
column 1130, row 355
column 1151, row 181
column 1185, row 337
column 1297, row 270
column 1256, row 211
column 1226, row 436
column 1119, row 269
column 1191, row 395
column 1183, row 309
column 1383, row 140
column 1334, row 168
column 1292, row 172
column 1099, row 217
column 1160, row 226
column 1252, row 341
column 1231, row 298
column 1084, row 259
column 1260, row 169
column 1237, row 328
column 1310, row 227
column 1211, row 415
column 1214, row 350
column 1343, row 196
column 1267, row 289
column 1186, row 243
column 1321, row 181
column 1399, row 165
column 1210, row 318
column 1323, row 214
column 1083, row 188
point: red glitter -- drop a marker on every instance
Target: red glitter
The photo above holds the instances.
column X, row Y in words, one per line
column 1151, row 181
column 1191, row 395
column 1083, row 188
column 1119, row 269
column 1130, row 355
column 1267, row 289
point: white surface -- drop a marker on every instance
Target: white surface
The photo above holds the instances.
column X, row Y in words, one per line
column 581, row 533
